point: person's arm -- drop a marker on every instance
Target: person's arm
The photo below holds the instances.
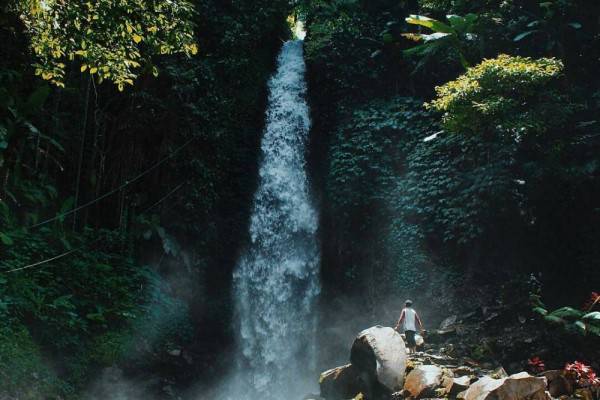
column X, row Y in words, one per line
column 399, row 323
column 420, row 323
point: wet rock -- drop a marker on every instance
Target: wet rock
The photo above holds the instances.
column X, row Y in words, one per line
column 463, row 370
column 499, row 373
column 515, row 387
column 379, row 356
column 448, row 322
column 559, row 383
column 424, row 380
column 340, row 383
column 584, row 394
column 397, row 396
column 457, row 385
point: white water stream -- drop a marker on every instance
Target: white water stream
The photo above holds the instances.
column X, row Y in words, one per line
column 276, row 282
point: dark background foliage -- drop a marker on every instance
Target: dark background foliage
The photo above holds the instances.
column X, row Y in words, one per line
column 452, row 214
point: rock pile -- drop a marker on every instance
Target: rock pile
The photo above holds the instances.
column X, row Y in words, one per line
column 380, row 370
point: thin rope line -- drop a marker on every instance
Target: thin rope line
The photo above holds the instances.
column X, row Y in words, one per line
column 53, row 258
column 117, row 189
column 29, row 266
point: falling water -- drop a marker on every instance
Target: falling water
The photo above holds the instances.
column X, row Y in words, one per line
column 276, row 282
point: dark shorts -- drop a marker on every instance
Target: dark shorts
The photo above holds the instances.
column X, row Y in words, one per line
column 410, row 338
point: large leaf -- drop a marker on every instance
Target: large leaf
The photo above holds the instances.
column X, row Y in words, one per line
column 5, row 239
column 555, row 320
column 540, row 310
column 434, row 36
column 523, row 35
column 462, row 24
column 430, row 23
column 567, row 313
column 593, row 316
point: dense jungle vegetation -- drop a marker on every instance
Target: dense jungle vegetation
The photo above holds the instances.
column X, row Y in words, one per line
column 140, row 184
column 460, row 141
column 455, row 154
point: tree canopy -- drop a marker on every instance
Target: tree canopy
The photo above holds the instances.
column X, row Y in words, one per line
column 112, row 39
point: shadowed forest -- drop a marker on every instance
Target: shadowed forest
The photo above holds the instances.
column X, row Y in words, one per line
column 453, row 158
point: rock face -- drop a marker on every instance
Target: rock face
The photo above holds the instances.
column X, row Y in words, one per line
column 379, row 354
column 340, row 383
column 516, row 387
column 424, row 380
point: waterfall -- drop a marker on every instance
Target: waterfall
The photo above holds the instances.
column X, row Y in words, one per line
column 276, row 281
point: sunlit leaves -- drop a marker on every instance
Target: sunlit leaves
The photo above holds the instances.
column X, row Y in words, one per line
column 112, row 39
column 515, row 94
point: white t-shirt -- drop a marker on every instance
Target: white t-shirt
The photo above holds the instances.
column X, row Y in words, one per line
column 410, row 319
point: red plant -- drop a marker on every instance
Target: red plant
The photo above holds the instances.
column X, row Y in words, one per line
column 592, row 301
column 536, row 364
column 584, row 374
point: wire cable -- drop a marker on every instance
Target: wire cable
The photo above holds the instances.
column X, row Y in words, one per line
column 66, row 253
column 115, row 190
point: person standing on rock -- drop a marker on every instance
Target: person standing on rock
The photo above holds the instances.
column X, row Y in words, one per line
column 408, row 321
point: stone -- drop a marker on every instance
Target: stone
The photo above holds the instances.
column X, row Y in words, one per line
column 448, row 322
column 559, row 383
column 499, row 373
column 424, row 380
column 340, row 383
column 463, row 370
column 397, row 396
column 457, row 385
column 379, row 356
column 521, row 386
column 584, row 394
column 175, row 352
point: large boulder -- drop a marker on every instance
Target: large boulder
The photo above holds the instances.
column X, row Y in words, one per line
column 521, row 386
column 379, row 354
column 456, row 385
column 423, row 381
column 559, row 383
column 340, row 383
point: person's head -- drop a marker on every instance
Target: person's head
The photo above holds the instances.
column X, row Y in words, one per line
column 408, row 303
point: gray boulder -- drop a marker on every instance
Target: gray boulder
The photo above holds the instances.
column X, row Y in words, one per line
column 423, row 381
column 340, row 383
column 379, row 355
column 521, row 386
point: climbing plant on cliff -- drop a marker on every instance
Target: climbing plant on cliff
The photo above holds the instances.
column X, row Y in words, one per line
column 109, row 38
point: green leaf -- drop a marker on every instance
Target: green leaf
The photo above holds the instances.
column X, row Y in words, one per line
column 580, row 327
column 567, row 313
column 430, row 23
column 593, row 316
column 540, row 310
column 555, row 320
column 523, row 35
column 5, row 239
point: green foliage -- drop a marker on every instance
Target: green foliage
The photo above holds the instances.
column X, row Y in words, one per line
column 456, row 35
column 111, row 39
column 516, row 95
column 569, row 319
column 553, row 24
column 23, row 371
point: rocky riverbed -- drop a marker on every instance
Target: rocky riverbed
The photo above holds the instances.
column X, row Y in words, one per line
column 381, row 369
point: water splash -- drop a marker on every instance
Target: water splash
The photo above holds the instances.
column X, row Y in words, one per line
column 276, row 282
